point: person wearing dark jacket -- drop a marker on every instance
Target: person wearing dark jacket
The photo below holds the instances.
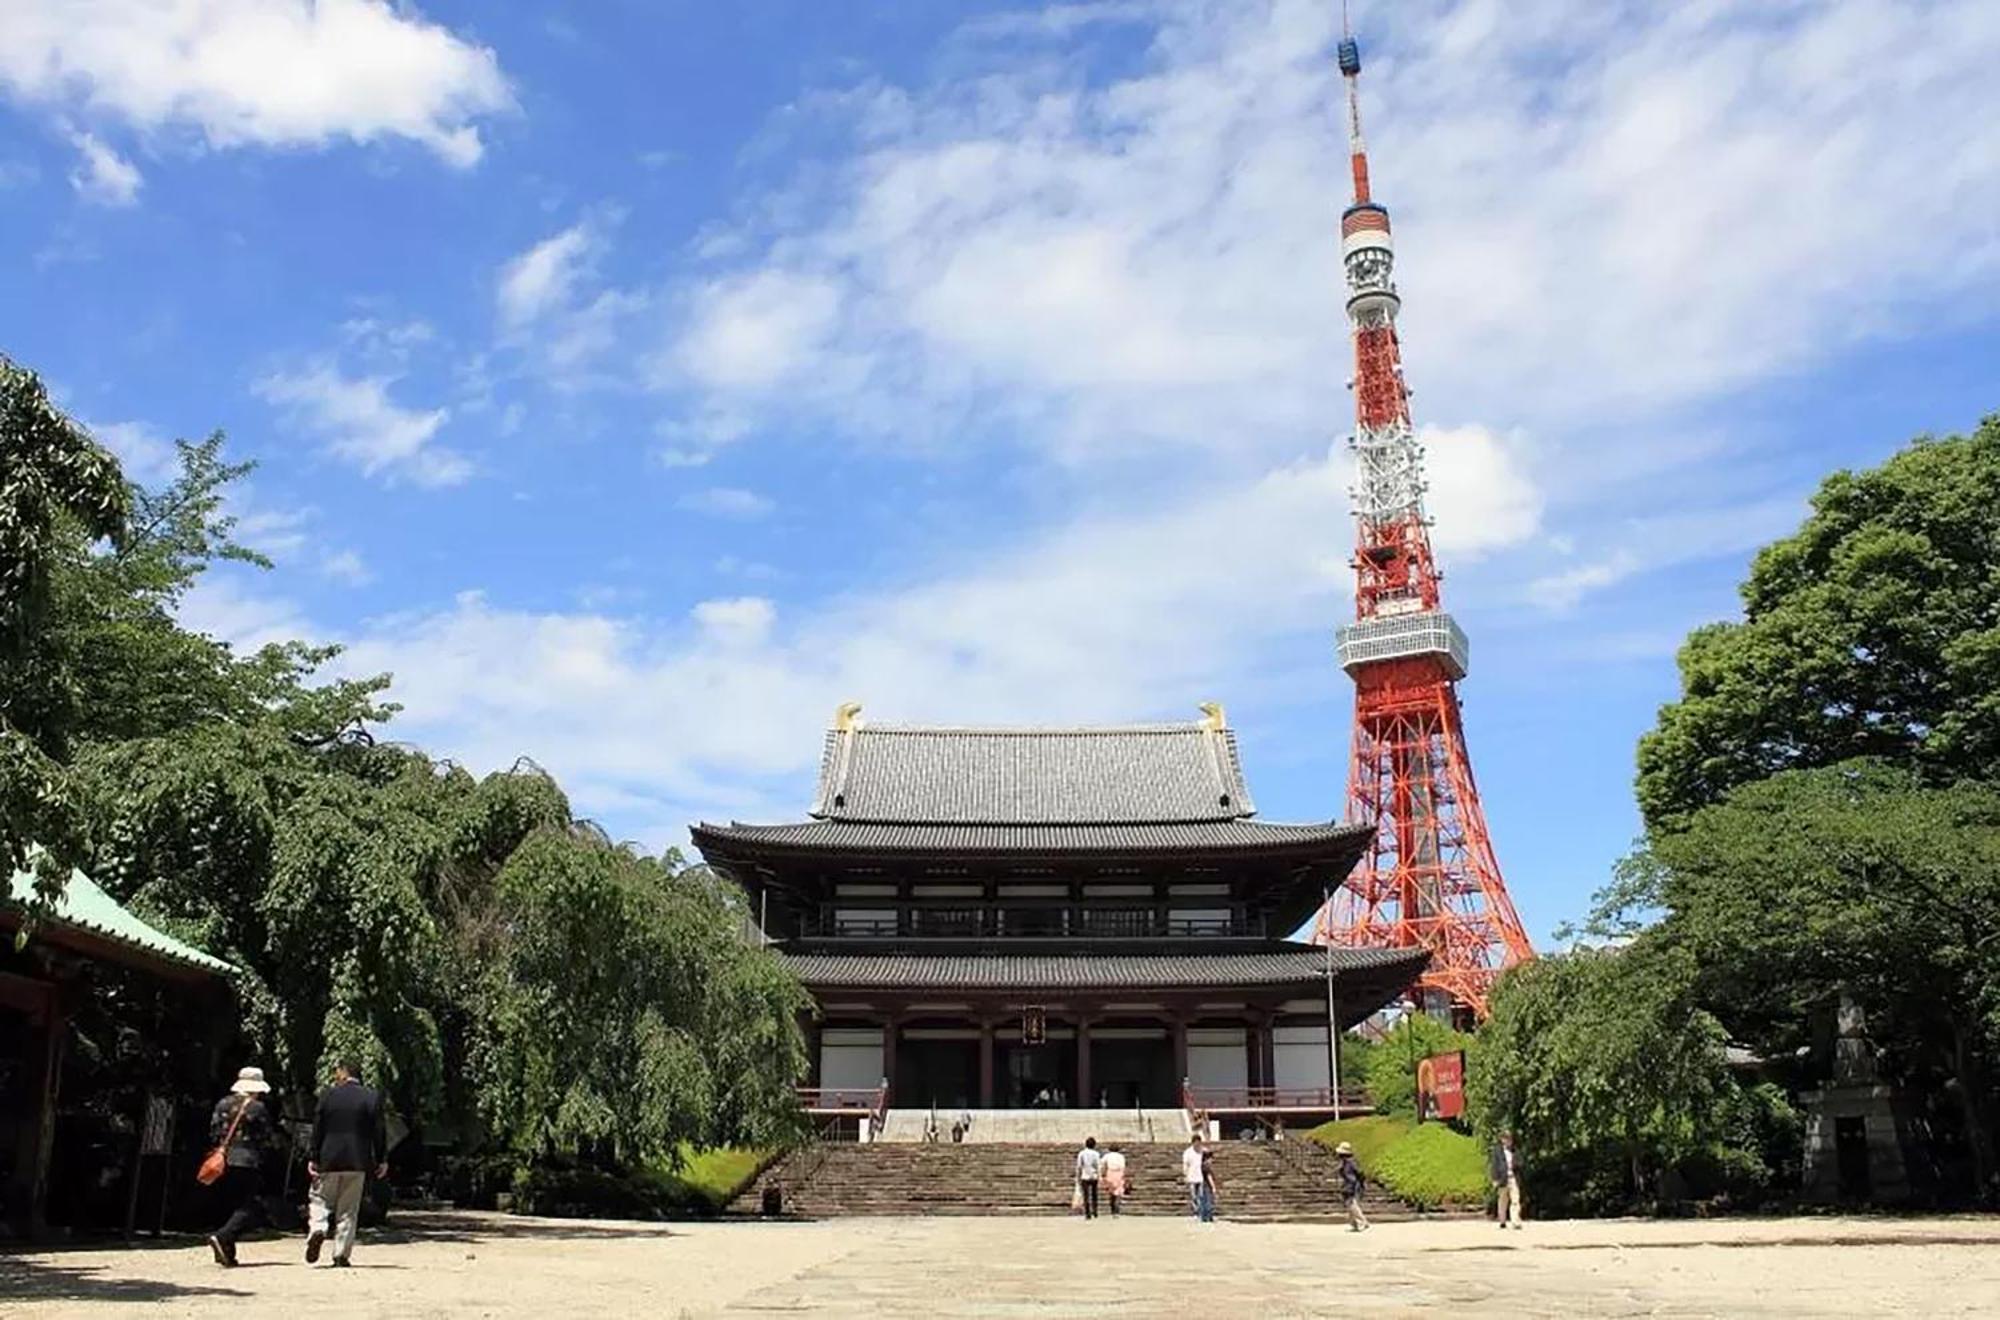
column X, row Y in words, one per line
column 242, row 1122
column 1351, row 1185
column 1504, row 1167
column 348, row 1143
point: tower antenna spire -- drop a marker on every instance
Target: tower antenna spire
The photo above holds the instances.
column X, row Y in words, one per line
column 1349, row 56
column 1431, row 879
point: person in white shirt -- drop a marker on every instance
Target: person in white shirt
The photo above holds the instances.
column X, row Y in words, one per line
column 1113, row 1170
column 1201, row 1201
column 1088, row 1165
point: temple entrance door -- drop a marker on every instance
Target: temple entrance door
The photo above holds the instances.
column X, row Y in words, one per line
column 937, row 1066
column 1035, row 1076
column 1133, row 1066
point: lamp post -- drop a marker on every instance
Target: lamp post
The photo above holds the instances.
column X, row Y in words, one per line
column 1332, row 1026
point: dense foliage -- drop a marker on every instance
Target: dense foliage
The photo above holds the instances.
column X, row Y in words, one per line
column 1823, row 822
column 1615, row 1082
column 1391, row 1063
column 57, row 488
column 1874, row 631
column 1424, row 1164
column 519, row 985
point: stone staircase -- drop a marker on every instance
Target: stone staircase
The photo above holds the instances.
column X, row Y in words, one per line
column 1258, row 1181
column 1044, row 1127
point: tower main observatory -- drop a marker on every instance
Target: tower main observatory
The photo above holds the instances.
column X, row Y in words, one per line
column 1430, row 879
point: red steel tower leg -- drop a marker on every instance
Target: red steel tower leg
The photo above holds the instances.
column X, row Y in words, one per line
column 1431, row 879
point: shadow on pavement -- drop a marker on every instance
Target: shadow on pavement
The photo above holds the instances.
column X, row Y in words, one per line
column 22, row 1279
column 1845, row 1240
column 463, row 1226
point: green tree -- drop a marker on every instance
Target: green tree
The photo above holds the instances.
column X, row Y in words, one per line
column 1873, row 631
column 496, row 964
column 625, row 1016
column 1610, row 1074
column 1858, row 878
column 57, row 486
column 1391, row 1063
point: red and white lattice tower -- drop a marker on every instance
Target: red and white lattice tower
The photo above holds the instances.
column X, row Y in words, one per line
column 1431, row 878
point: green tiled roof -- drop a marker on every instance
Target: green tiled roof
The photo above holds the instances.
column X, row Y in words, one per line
column 86, row 907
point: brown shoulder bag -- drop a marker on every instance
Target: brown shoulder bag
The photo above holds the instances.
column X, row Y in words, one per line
column 216, row 1162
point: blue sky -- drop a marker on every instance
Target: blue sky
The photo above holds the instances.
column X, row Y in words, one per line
column 639, row 380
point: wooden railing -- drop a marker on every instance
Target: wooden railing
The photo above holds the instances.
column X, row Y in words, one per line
column 1205, row 1100
column 850, row 1102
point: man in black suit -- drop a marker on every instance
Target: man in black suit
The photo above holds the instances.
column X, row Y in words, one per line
column 348, row 1143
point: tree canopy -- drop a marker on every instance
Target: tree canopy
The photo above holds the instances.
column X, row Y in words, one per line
column 1873, row 631
column 510, row 977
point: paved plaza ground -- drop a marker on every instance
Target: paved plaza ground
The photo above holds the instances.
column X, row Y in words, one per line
column 488, row 1265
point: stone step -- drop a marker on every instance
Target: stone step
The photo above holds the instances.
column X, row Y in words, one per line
column 1257, row 1180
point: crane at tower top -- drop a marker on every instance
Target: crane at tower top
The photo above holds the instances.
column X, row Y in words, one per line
column 1431, row 879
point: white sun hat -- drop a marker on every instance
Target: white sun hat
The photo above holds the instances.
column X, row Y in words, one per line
column 250, row 1081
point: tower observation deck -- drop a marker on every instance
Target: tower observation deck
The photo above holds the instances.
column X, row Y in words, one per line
column 1430, row 879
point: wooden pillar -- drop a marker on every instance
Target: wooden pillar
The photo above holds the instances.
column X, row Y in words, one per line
column 891, row 1028
column 810, row 1027
column 35, row 1141
column 986, row 1063
column 1267, row 1050
column 1085, row 1098
column 1180, row 1054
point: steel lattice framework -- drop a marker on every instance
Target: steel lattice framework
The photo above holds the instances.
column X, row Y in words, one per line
column 1432, row 879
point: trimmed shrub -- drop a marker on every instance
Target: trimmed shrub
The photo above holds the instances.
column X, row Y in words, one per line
column 1434, row 1166
column 1369, row 1136
column 1427, row 1165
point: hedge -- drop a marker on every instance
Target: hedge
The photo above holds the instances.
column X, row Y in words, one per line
column 1426, row 1165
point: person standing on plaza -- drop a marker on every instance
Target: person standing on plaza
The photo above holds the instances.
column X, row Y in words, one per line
column 1505, row 1169
column 1200, row 1180
column 1209, row 1185
column 1089, row 1164
column 1351, row 1184
column 1113, row 1171
column 348, row 1143
column 241, row 1128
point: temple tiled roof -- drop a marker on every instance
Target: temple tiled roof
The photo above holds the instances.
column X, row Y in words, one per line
column 1227, row 836
column 1298, row 965
column 1118, row 774
column 85, row 907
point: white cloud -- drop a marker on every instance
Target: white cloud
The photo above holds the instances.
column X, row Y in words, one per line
column 147, row 457
column 738, row 621
column 103, row 176
column 220, row 606
column 364, row 426
column 1113, row 616
column 279, row 533
column 756, row 330
column 1559, row 593
column 266, row 72
column 1606, row 215
column 541, row 278
column 346, row 566
column 726, row 502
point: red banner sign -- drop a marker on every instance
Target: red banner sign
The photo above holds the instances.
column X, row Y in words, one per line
column 1441, row 1085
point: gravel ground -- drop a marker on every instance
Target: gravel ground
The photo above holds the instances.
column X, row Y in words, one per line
column 451, row 1264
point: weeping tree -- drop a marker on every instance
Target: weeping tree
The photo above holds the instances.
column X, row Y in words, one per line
column 1613, row 1078
column 624, row 1015
column 496, row 964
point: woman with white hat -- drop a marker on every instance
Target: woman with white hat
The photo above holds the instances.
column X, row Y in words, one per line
column 242, row 1130
column 1351, row 1185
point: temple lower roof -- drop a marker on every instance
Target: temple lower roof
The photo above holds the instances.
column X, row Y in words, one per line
column 1298, row 965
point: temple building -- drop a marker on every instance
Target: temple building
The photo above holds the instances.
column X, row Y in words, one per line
column 1078, row 917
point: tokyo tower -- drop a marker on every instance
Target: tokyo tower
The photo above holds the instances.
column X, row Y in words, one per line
column 1431, row 879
